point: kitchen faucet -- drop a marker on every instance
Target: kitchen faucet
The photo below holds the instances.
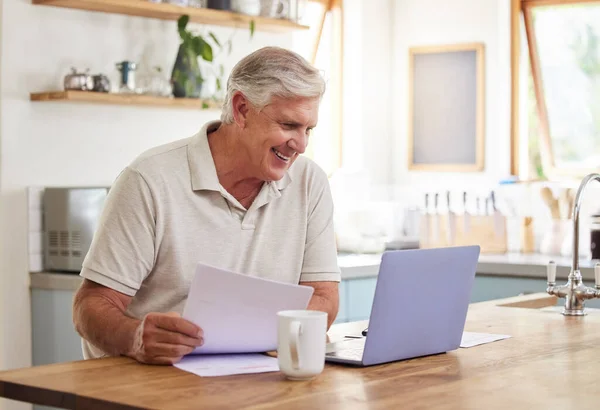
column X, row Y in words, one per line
column 574, row 291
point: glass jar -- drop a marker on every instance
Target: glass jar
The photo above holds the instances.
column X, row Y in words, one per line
column 156, row 84
column 595, row 236
column 197, row 3
column 182, row 3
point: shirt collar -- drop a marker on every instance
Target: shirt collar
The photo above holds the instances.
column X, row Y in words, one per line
column 202, row 165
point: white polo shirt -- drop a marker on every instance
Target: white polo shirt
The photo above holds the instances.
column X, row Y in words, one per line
column 167, row 211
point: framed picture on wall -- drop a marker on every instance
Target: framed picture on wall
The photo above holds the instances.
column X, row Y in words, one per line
column 446, row 108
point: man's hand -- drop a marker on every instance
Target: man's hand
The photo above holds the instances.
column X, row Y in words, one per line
column 164, row 338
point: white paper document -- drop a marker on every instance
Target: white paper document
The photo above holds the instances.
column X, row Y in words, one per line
column 224, row 365
column 470, row 339
column 238, row 313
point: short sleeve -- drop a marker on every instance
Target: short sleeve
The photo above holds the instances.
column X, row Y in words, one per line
column 122, row 251
column 320, row 252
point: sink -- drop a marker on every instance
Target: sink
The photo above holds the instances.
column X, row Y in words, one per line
column 541, row 301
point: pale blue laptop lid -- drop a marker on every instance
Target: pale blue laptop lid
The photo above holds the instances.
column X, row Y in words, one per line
column 421, row 302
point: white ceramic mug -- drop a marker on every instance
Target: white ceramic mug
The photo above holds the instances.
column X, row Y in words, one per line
column 301, row 343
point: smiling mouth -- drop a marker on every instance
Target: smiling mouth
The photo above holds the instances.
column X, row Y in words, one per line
column 280, row 155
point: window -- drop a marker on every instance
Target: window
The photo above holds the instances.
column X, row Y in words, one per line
column 321, row 45
column 563, row 41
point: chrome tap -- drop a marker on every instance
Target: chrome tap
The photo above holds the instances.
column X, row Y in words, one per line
column 574, row 291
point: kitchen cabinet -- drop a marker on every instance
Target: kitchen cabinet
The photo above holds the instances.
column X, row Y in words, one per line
column 359, row 293
column 54, row 338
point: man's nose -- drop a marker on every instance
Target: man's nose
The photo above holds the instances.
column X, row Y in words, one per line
column 299, row 143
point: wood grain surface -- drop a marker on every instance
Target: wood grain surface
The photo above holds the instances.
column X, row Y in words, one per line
column 551, row 361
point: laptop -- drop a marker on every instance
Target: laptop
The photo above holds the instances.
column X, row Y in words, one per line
column 419, row 309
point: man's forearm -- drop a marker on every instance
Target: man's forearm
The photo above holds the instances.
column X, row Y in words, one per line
column 325, row 304
column 104, row 325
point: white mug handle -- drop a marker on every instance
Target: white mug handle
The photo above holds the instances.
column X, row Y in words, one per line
column 295, row 331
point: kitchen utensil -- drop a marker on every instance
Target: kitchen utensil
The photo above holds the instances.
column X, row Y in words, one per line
column 275, row 8
column 127, row 69
column 155, row 83
column 248, row 7
column 101, row 83
column 426, row 227
column 78, row 81
column 451, row 228
column 551, row 201
column 436, row 222
column 570, row 202
column 499, row 220
column 528, row 238
column 467, row 216
column 553, row 239
column 219, row 4
column 181, row 3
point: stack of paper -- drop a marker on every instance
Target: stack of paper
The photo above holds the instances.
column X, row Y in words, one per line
column 470, row 339
column 224, row 365
column 238, row 313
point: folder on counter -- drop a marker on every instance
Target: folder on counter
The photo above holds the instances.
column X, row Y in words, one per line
column 237, row 312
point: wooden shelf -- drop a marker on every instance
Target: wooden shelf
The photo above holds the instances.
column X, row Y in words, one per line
column 124, row 99
column 167, row 11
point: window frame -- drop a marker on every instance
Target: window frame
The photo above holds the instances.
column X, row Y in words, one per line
column 523, row 9
column 335, row 87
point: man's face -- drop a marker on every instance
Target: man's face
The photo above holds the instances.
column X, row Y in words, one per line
column 275, row 136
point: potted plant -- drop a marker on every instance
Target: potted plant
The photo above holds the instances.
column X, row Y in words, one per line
column 186, row 76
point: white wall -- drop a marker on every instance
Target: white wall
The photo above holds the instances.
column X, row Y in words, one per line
column 46, row 144
column 2, row 275
column 378, row 35
column 434, row 22
column 368, row 110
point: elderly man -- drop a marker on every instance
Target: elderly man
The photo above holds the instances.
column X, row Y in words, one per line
column 237, row 195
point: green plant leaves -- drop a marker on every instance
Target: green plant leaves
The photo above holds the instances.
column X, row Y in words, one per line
column 215, row 39
column 198, row 45
column 252, row 27
column 202, row 48
column 182, row 23
column 207, row 52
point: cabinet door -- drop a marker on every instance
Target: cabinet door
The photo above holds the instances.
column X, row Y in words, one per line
column 54, row 337
column 360, row 298
column 342, row 315
column 498, row 287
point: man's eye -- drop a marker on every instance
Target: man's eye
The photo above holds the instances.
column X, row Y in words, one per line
column 309, row 131
column 289, row 126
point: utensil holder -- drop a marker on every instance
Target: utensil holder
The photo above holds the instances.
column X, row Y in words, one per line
column 487, row 231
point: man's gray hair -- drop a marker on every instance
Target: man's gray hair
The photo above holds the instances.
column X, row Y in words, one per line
column 271, row 72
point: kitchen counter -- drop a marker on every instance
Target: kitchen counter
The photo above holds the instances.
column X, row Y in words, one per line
column 549, row 362
column 355, row 266
column 508, row 264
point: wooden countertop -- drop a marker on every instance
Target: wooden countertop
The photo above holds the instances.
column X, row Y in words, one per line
column 551, row 361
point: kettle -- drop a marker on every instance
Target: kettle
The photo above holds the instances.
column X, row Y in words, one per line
column 78, row 81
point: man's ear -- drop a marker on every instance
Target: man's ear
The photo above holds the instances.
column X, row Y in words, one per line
column 240, row 106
